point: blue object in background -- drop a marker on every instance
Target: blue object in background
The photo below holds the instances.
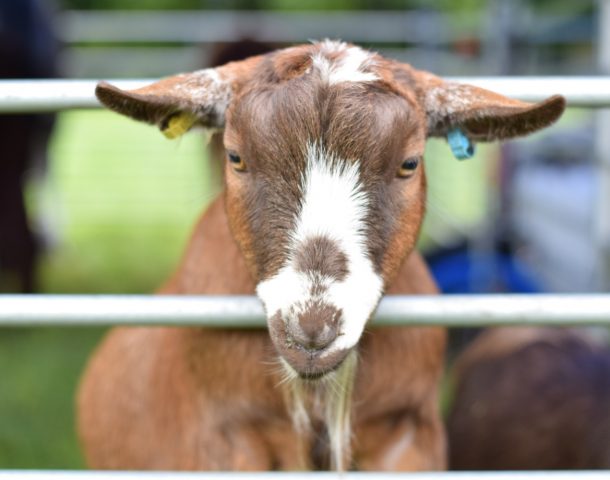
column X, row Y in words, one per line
column 459, row 271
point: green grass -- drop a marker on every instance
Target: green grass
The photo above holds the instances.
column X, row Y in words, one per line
column 124, row 200
column 119, row 205
column 40, row 369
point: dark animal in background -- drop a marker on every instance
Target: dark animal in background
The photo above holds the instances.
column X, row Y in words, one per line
column 28, row 49
column 531, row 399
column 323, row 201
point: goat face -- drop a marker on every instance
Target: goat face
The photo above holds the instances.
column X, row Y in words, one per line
column 317, row 194
column 325, row 187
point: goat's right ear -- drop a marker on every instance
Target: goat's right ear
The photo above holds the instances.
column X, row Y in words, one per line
column 481, row 114
column 476, row 113
column 200, row 97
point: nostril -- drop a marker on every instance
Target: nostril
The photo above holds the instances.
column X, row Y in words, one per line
column 317, row 327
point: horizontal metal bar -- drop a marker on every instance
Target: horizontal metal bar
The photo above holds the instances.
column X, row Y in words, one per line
column 422, row 25
column 52, row 95
column 270, row 26
column 100, row 475
column 247, row 311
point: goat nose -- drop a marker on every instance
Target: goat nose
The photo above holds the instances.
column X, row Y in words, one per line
column 317, row 327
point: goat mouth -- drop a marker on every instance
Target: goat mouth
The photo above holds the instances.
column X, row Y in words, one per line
column 312, row 365
column 313, row 376
column 309, row 363
column 311, row 373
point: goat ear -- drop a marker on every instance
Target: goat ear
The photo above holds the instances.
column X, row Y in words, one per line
column 200, row 97
column 481, row 114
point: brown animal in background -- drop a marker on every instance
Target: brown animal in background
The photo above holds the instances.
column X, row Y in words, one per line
column 531, row 399
column 323, row 201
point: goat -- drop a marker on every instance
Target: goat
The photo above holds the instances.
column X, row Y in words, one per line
column 323, row 201
column 531, row 399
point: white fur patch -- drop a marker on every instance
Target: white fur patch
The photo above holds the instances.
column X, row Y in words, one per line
column 204, row 89
column 447, row 99
column 398, row 449
column 333, row 206
column 350, row 65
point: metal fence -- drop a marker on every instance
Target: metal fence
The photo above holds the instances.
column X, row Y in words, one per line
column 131, row 42
column 246, row 312
column 111, row 27
column 52, row 95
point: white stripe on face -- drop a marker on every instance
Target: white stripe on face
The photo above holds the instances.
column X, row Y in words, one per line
column 333, row 206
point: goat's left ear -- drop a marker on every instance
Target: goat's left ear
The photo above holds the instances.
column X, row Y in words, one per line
column 481, row 114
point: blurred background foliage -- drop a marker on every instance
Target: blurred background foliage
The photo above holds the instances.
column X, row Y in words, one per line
column 120, row 218
column 466, row 5
column 474, row 7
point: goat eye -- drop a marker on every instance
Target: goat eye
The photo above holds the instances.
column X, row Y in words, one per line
column 236, row 161
column 408, row 166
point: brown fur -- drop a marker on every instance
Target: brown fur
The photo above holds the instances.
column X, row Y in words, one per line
column 531, row 399
column 373, row 121
column 195, row 398
column 322, row 255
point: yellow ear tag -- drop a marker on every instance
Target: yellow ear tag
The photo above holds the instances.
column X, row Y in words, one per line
column 178, row 125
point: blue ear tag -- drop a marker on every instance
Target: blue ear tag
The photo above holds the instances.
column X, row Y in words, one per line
column 460, row 144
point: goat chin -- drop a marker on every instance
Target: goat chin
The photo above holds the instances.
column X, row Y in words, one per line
column 329, row 398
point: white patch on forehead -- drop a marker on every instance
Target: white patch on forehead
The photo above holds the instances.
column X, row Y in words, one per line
column 338, row 62
column 334, row 206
